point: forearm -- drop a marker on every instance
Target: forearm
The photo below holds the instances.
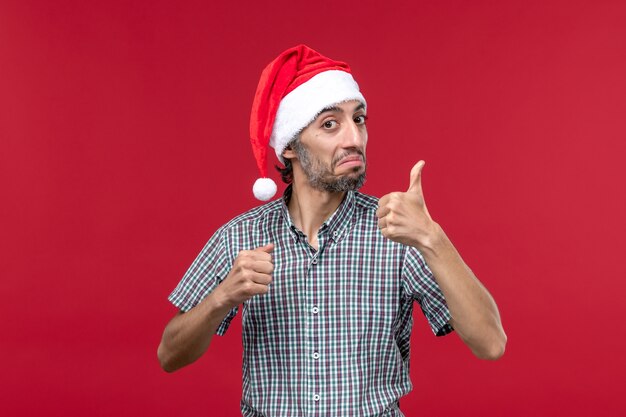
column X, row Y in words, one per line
column 474, row 313
column 188, row 335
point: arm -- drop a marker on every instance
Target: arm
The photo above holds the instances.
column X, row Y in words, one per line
column 188, row 335
column 404, row 218
column 475, row 316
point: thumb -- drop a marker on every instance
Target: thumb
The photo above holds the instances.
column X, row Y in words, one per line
column 415, row 184
column 269, row 248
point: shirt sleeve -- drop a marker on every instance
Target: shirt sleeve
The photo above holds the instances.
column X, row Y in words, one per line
column 206, row 272
column 420, row 283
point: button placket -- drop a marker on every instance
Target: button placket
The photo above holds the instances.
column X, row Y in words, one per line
column 313, row 371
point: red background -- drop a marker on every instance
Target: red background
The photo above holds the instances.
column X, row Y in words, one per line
column 124, row 145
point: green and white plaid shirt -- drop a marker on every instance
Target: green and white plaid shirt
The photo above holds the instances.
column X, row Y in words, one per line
column 331, row 337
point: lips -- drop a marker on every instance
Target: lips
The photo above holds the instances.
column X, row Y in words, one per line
column 350, row 160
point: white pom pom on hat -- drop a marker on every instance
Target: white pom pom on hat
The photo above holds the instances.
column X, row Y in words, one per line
column 292, row 90
column 264, row 189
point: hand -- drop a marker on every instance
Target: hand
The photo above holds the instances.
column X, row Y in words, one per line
column 403, row 217
column 250, row 275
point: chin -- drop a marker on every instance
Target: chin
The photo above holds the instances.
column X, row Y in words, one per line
column 351, row 172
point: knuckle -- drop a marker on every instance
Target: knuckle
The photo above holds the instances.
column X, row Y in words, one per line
column 248, row 288
column 242, row 259
column 236, row 271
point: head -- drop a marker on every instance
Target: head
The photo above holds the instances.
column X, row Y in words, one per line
column 305, row 95
column 330, row 152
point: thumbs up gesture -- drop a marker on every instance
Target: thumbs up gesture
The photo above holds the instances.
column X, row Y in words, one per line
column 403, row 217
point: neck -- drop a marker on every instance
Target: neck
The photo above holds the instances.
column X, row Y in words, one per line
column 309, row 208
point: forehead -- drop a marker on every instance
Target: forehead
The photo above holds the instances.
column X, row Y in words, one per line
column 348, row 107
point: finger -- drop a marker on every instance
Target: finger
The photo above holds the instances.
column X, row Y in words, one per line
column 263, row 267
column 264, row 253
column 382, row 211
column 382, row 223
column 260, row 289
column 262, row 279
column 255, row 289
column 269, row 248
column 415, row 184
column 259, row 256
column 382, row 203
column 426, row 211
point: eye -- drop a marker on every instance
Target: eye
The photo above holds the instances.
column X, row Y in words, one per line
column 360, row 120
column 329, row 124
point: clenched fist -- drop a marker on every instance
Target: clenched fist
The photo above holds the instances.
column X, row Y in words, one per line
column 403, row 217
column 250, row 275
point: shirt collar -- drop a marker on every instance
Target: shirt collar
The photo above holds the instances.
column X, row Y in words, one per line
column 334, row 227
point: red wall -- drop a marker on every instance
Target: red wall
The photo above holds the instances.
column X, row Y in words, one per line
column 124, row 145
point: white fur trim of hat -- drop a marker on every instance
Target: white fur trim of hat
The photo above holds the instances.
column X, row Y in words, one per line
column 301, row 106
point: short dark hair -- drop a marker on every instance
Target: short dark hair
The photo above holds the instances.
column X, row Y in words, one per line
column 286, row 173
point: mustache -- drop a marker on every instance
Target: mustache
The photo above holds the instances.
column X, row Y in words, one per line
column 355, row 152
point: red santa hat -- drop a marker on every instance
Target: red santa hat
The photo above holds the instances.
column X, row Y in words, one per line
column 292, row 91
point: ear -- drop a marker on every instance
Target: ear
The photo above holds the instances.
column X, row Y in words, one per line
column 288, row 153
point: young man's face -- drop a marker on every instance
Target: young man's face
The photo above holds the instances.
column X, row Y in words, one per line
column 331, row 150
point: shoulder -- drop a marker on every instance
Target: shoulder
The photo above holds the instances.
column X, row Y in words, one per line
column 364, row 215
column 269, row 212
column 365, row 203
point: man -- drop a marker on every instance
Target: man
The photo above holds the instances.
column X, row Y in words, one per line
column 327, row 276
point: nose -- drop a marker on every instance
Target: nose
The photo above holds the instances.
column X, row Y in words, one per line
column 355, row 136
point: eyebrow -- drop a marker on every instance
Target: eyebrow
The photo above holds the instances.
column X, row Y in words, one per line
column 338, row 109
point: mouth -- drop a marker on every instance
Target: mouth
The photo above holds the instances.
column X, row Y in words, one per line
column 350, row 161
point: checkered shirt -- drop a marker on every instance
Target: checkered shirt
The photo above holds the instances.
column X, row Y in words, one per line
column 332, row 335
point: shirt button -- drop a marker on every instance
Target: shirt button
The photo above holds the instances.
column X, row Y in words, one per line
column 315, row 310
column 335, row 234
column 316, row 355
column 316, row 397
column 314, row 261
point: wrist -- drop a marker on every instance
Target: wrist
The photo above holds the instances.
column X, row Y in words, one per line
column 220, row 300
column 434, row 242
